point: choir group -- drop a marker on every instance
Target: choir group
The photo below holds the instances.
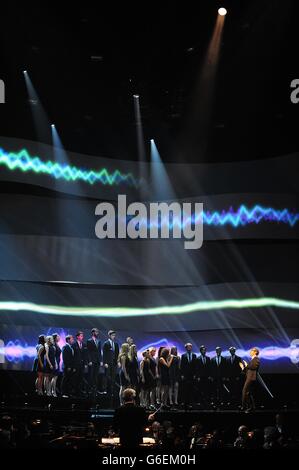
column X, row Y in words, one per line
column 161, row 377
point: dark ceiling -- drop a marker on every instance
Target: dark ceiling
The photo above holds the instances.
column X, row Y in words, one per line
column 87, row 61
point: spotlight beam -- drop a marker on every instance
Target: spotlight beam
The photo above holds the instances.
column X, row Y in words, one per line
column 140, row 146
column 40, row 118
column 198, row 128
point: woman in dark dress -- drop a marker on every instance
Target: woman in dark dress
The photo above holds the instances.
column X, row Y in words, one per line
column 56, row 338
column 38, row 365
column 133, row 367
column 165, row 362
column 158, row 378
column 155, row 383
column 49, row 367
column 174, row 374
column 124, row 363
column 147, row 379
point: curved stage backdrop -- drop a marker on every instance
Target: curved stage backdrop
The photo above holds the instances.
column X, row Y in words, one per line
column 240, row 288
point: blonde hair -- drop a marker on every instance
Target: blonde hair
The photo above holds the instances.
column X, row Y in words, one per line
column 256, row 350
column 49, row 340
column 124, row 351
column 132, row 352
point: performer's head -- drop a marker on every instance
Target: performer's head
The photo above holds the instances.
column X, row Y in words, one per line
column 95, row 332
column 69, row 339
column 56, row 337
column 129, row 395
column 41, row 339
column 79, row 336
column 203, row 350
column 164, row 353
column 146, row 354
column 218, row 351
column 152, row 351
column 112, row 335
column 254, row 352
column 174, row 351
column 232, row 350
column 160, row 351
column 124, row 350
column 188, row 347
column 133, row 351
column 49, row 340
column 130, row 340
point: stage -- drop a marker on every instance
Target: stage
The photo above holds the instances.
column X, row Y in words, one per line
column 18, row 399
column 149, row 226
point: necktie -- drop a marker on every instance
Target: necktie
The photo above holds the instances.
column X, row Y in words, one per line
column 232, row 358
column 218, row 360
column 204, row 360
column 189, row 357
column 112, row 344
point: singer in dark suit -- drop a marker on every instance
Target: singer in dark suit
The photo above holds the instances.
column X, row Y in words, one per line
column 68, row 366
column 234, row 374
column 219, row 372
column 110, row 357
column 94, row 357
column 79, row 363
column 203, row 375
column 188, row 375
column 251, row 370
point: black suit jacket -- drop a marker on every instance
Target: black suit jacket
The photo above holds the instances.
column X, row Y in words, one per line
column 94, row 352
column 130, row 420
column 233, row 368
column 80, row 356
column 188, row 369
column 67, row 356
column 203, row 370
column 218, row 371
column 109, row 356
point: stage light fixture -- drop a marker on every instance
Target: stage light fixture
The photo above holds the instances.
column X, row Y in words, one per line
column 136, row 97
column 222, row 11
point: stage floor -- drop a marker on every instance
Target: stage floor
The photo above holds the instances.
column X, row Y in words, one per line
column 85, row 410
